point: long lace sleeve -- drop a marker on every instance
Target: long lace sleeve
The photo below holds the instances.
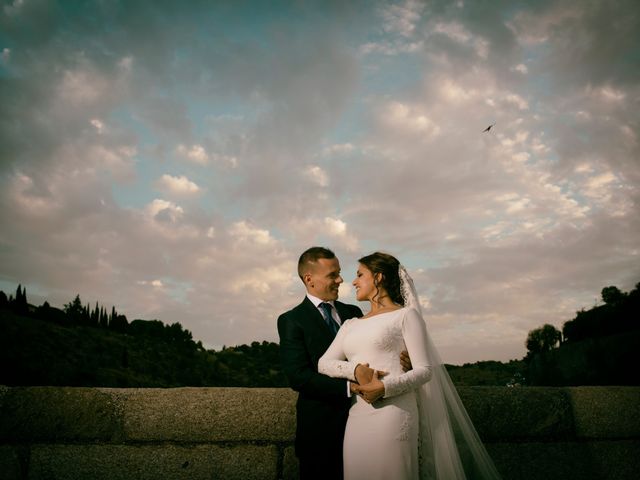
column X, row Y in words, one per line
column 414, row 333
column 334, row 361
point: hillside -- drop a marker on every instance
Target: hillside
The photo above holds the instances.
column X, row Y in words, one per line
column 598, row 346
column 38, row 352
column 84, row 346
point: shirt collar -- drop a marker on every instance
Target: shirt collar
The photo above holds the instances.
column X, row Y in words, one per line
column 316, row 301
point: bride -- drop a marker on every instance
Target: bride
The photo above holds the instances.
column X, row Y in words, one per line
column 402, row 425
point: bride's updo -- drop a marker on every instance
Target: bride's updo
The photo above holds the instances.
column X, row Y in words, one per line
column 388, row 266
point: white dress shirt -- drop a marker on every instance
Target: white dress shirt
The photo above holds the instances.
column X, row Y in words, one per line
column 334, row 314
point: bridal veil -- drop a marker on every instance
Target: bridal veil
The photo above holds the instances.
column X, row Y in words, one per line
column 449, row 446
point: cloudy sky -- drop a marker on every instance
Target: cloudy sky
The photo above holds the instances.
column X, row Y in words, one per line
column 174, row 161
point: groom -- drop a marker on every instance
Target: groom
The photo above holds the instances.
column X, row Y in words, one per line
column 306, row 332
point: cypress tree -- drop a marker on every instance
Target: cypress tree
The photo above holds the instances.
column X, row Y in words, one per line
column 74, row 310
column 104, row 319
column 95, row 315
column 20, row 305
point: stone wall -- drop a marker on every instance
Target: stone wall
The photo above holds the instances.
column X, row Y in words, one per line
column 241, row 433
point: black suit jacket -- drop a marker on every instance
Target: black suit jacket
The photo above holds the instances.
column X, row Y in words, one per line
column 323, row 405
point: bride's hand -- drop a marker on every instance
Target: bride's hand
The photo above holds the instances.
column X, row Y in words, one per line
column 373, row 390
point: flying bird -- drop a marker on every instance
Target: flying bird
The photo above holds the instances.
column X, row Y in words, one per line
column 489, row 127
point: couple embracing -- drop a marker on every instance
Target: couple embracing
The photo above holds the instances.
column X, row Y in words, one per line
column 374, row 399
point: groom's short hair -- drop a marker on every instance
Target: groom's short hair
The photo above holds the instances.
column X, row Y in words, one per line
column 312, row 255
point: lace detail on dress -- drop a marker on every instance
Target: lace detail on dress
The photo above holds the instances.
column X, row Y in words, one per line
column 391, row 338
column 410, row 325
column 337, row 368
column 405, row 427
column 336, row 365
column 405, row 382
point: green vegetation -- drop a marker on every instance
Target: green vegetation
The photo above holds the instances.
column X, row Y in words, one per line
column 79, row 346
column 488, row 373
column 597, row 347
column 84, row 346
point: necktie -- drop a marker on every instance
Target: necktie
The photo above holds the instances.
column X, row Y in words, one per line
column 326, row 313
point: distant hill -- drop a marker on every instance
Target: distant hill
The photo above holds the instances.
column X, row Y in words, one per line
column 599, row 346
column 84, row 346
column 489, row 372
column 46, row 346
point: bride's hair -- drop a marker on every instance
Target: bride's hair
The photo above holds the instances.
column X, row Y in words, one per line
column 388, row 266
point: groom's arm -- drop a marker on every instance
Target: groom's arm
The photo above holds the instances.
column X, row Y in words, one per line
column 297, row 365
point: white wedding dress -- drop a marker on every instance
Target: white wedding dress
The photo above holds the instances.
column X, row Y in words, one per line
column 382, row 439
column 420, row 428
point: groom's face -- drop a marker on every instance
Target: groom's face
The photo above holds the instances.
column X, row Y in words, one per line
column 324, row 279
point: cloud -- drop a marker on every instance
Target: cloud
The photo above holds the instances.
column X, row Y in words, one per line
column 26, row 199
column 177, row 185
column 195, row 153
column 400, row 24
column 403, row 118
column 243, row 232
column 338, row 149
column 263, row 281
column 82, row 87
column 581, row 44
column 317, row 175
column 402, row 18
column 164, row 211
column 98, row 124
column 458, row 33
column 338, row 229
column 153, row 283
column 359, row 129
column 521, row 67
column 607, row 93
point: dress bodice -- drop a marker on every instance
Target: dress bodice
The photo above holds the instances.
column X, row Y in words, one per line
column 378, row 341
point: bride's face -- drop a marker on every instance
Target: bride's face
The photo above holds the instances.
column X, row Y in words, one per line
column 365, row 287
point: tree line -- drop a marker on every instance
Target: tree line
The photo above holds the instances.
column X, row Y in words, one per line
column 84, row 345
column 74, row 312
column 596, row 347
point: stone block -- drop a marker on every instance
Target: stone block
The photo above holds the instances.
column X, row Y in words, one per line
column 611, row 412
column 208, row 414
column 153, row 462
column 532, row 433
column 290, row 467
column 10, row 468
column 57, row 414
column 3, row 391
column 499, row 414
column 567, row 460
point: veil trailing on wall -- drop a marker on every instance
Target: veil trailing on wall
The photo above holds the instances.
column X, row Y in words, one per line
column 449, row 446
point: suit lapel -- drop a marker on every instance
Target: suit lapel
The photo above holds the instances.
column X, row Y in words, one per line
column 342, row 312
column 316, row 320
column 346, row 312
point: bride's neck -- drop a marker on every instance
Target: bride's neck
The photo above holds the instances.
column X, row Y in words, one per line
column 382, row 303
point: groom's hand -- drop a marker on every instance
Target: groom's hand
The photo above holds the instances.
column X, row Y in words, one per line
column 363, row 373
column 373, row 390
column 405, row 361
